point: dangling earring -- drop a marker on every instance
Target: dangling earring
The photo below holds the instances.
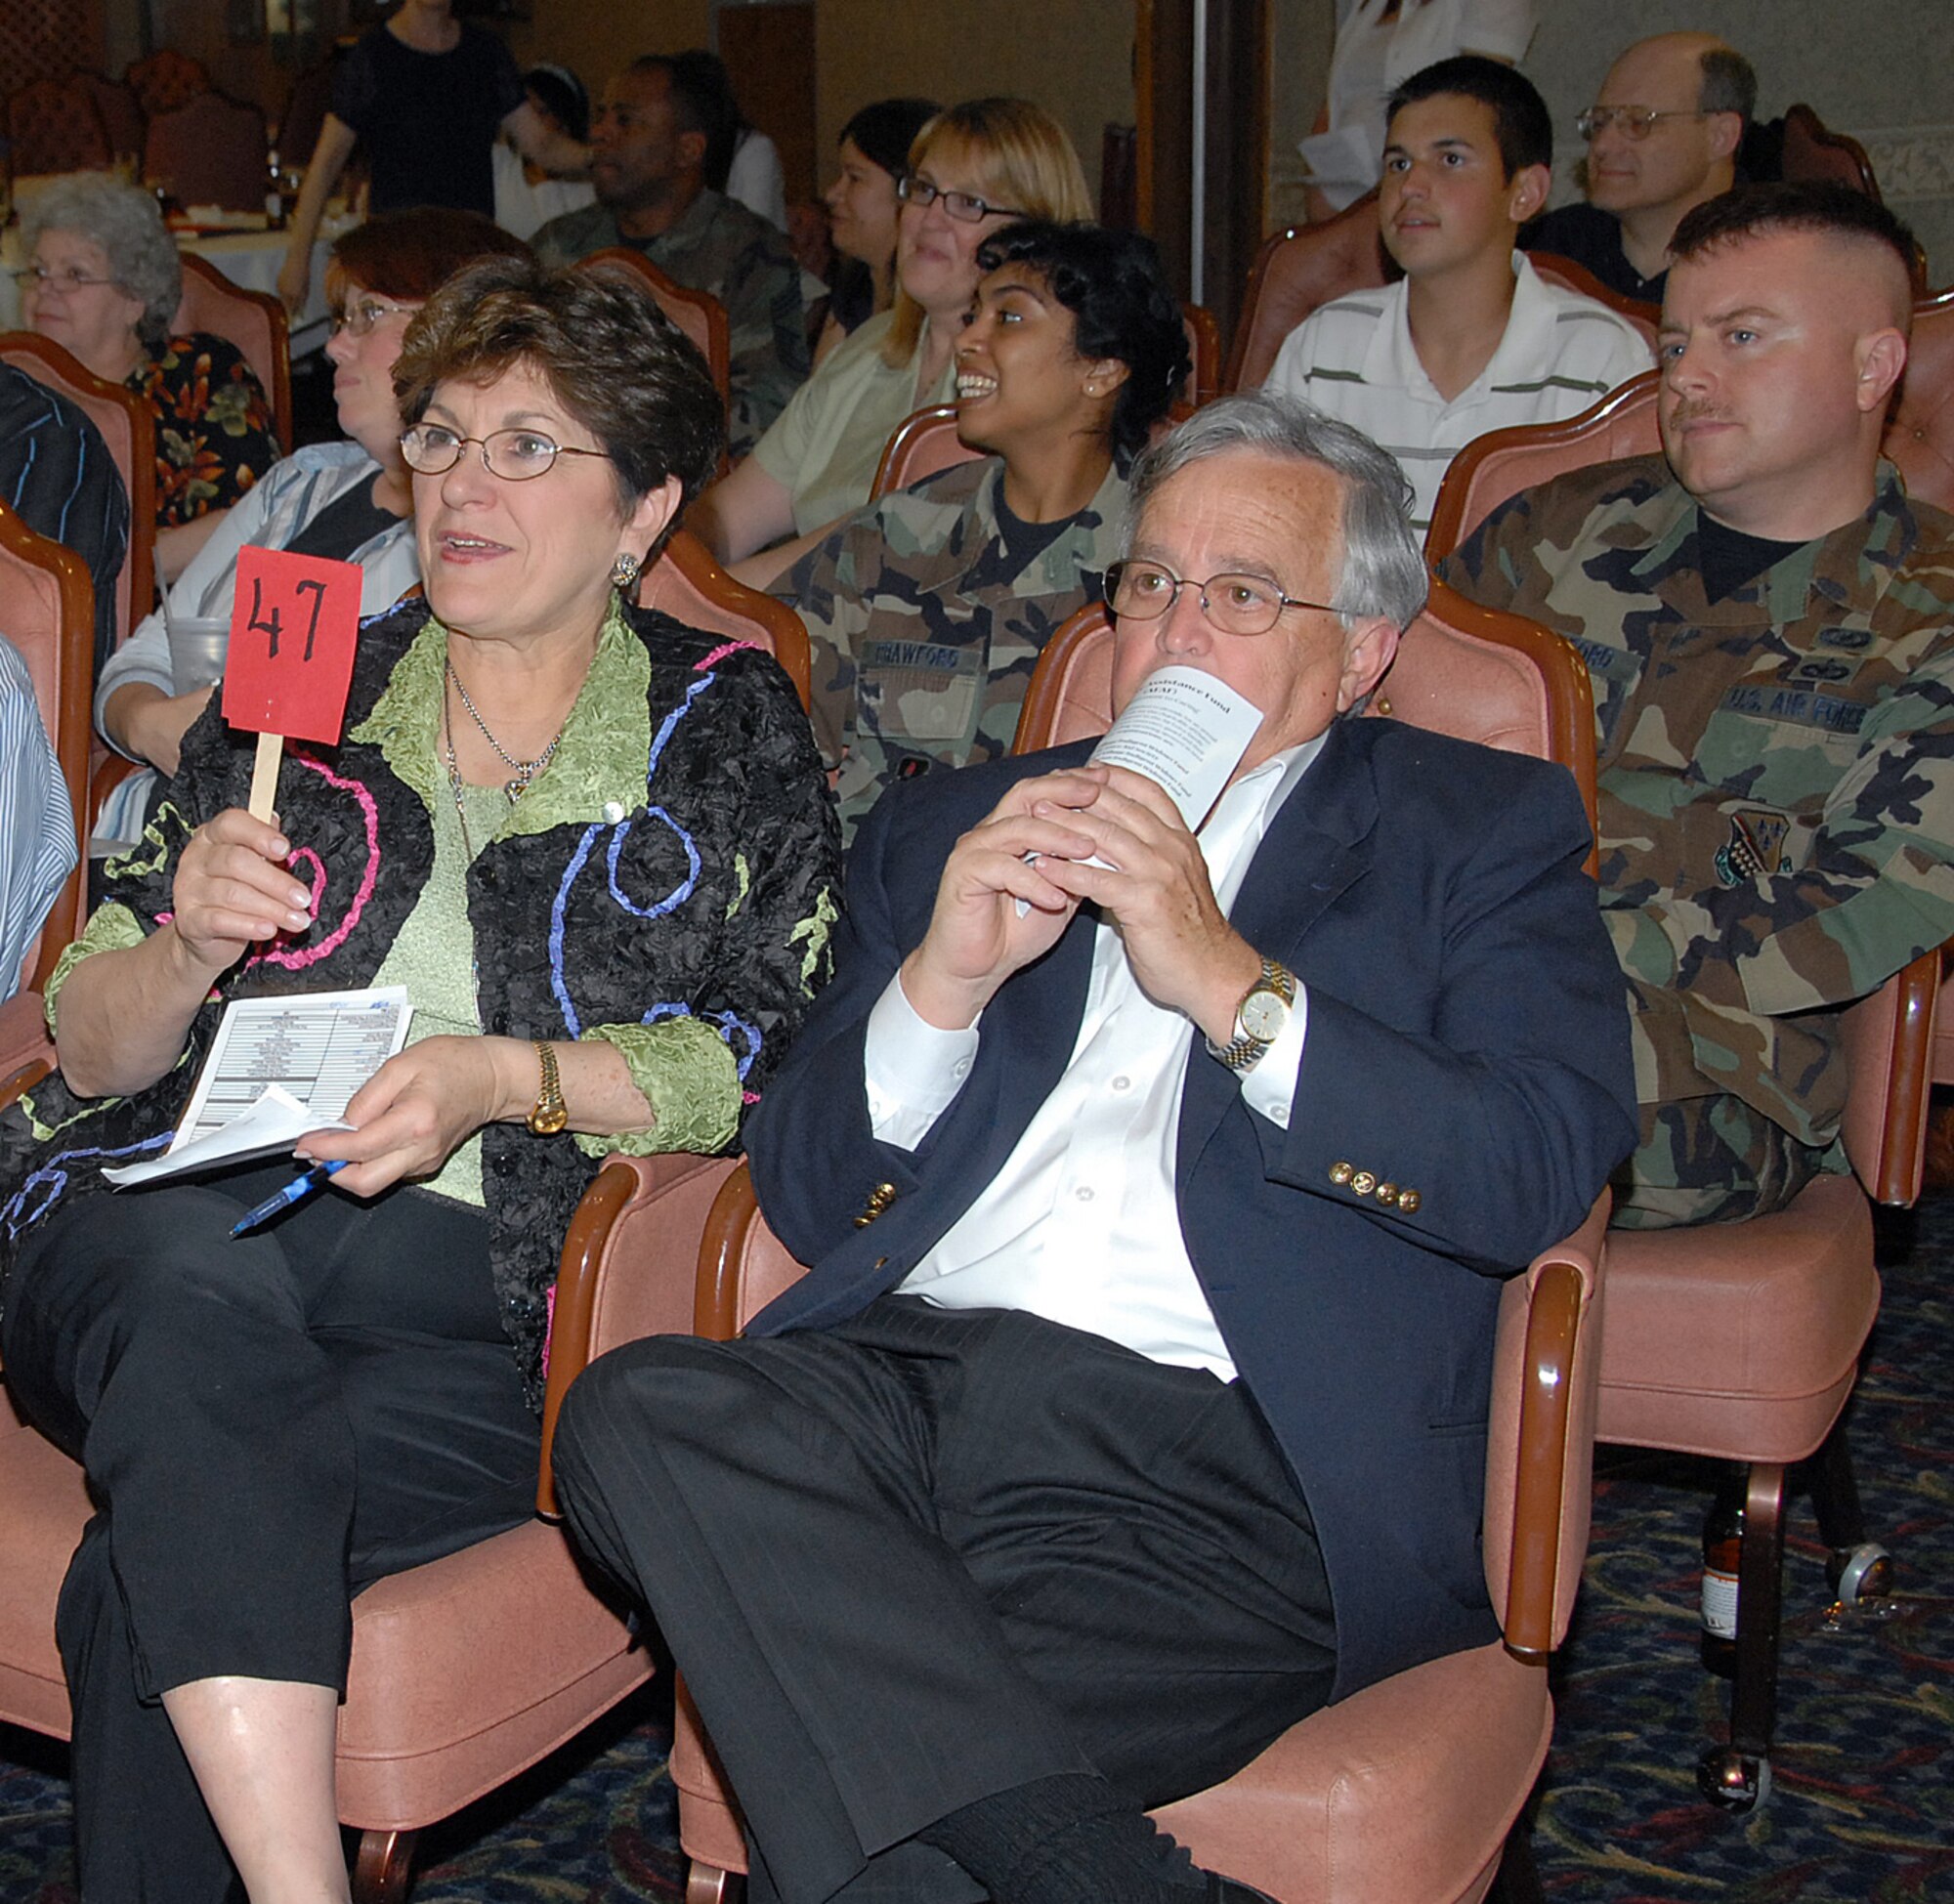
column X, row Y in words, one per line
column 625, row 573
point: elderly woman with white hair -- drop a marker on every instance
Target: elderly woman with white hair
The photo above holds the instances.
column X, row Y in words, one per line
column 104, row 282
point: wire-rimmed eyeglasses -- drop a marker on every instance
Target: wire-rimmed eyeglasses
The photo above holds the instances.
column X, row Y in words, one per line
column 43, row 277
column 358, row 315
column 1636, row 121
column 516, row 455
column 1236, row 605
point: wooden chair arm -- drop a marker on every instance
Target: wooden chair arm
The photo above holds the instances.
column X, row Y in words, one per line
column 1562, row 1284
column 26, row 1054
column 646, row 1212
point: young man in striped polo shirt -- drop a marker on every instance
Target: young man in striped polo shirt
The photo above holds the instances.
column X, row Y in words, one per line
column 1471, row 339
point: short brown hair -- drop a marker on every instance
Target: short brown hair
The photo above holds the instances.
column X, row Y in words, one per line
column 413, row 253
column 612, row 358
column 1822, row 208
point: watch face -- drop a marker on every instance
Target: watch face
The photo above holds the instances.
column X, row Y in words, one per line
column 1263, row 1015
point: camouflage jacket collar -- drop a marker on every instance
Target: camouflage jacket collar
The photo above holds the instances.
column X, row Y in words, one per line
column 970, row 494
column 1848, row 571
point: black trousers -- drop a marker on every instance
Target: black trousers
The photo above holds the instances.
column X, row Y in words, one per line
column 930, row 1556
column 268, row 1425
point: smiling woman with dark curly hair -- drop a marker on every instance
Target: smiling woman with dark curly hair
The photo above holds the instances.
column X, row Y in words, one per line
column 928, row 610
column 596, row 849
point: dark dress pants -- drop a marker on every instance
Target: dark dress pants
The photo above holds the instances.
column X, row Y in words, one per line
column 930, row 1556
column 268, row 1425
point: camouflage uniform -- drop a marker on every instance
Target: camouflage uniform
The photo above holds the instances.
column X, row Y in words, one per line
column 925, row 629
column 720, row 247
column 1777, row 803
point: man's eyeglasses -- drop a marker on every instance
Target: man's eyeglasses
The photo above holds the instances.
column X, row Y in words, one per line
column 359, row 317
column 1236, row 605
column 515, row 455
column 73, row 279
column 964, row 206
column 1636, row 121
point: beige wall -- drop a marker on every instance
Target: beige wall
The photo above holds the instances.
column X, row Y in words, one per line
column 1073, row 57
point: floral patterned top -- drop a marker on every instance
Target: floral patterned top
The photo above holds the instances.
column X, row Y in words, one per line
column 215, row 435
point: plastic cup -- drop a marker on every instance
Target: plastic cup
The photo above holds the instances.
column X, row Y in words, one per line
column 197, row 645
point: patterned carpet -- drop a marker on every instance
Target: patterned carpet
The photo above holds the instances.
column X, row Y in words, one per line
column 1863, row 1807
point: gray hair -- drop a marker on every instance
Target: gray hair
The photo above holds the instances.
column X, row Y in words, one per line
column 1729, row 84
column 1383, row 573
column 123, row 219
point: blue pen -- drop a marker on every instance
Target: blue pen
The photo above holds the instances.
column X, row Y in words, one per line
column 295, row 1192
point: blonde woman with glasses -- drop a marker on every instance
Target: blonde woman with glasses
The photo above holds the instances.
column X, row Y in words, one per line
column 972, row 170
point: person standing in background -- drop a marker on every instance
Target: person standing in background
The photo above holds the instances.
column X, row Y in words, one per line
column 1380, row 44
column 426, row 96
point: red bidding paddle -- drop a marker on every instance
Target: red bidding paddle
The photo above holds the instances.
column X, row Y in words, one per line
column 294, row 624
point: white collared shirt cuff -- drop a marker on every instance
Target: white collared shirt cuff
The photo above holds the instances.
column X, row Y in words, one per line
column 912, row 1070
column 1270, row 1088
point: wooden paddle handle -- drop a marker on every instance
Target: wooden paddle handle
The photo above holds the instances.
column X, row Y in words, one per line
column 265, row 776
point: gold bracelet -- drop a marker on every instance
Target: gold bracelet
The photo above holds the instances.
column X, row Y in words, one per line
column 549, row 1114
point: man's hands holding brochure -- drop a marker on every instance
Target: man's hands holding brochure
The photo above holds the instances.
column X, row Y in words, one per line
column 1035, row 845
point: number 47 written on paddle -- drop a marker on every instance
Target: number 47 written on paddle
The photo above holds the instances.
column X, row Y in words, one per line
column 295, row 626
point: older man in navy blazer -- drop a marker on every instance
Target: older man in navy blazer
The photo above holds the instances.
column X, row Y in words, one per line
column 1157, row 1188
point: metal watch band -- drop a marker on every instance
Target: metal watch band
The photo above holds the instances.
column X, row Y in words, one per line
column 1243, row 1051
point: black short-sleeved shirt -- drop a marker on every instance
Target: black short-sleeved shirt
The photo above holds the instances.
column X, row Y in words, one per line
column 1593, row 238
column 428, row 120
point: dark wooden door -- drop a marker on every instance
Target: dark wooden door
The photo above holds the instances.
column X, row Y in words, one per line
column 1235, row 143
column 769, row 50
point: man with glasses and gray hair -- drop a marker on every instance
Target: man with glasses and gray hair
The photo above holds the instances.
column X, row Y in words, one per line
column 1663, row 137
column 1158, row 1188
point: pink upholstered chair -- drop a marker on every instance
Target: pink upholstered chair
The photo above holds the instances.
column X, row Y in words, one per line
column 128, row 427
column 701, row 316
column 47, row 610
column 925, row 441
column 1741, row 1341
column 253, row 320
column 469, row 1669
column 1498, row 465
column 1920, row 437
column 1407, row 1791
column 1572, row 277
column 1410, row 1788
column 690, row 586
column 1297, row 269
column 1815, row 152
column 209, row 150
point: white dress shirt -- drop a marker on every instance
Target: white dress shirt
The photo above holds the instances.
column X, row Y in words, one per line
column 1081, row 1226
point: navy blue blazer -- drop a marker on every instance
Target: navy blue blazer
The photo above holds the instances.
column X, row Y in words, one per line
column 1468, row 1039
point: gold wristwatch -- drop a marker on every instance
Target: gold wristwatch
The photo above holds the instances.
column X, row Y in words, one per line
column 1258, row 1019
column 549, row 1114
